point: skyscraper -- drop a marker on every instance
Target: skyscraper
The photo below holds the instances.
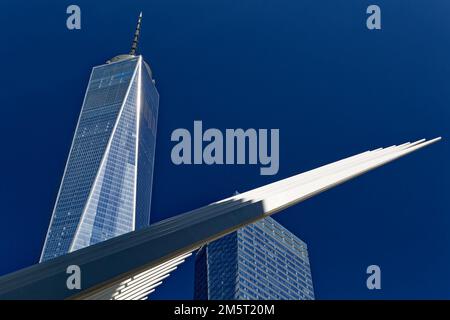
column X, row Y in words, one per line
column 258, row 262
column 107, row 182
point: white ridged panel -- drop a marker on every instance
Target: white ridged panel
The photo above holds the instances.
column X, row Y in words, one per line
column 274, row 197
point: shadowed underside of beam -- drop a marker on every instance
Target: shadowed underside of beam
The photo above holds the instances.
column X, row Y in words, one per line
column 131, row 266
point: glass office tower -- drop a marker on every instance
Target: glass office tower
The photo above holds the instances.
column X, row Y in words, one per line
column 258, row 262
column 107, row 183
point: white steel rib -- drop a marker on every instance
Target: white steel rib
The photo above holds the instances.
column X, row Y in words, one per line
column 145, row 281
column 297, row 188
column 134, row 264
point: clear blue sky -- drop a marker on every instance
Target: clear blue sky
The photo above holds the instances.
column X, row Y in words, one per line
column 309, row 68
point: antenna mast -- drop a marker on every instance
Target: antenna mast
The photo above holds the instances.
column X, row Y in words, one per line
column 136, row 36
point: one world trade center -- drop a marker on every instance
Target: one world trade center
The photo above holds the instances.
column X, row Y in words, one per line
column 107, row 182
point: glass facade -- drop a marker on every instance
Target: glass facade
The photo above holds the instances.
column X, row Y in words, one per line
column 106, row 186
column 262, row 261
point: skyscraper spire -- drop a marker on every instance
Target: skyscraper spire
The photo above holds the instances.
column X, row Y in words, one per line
column 136, row 36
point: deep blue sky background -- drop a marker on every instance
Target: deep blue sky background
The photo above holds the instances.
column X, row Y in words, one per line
column 310, row 68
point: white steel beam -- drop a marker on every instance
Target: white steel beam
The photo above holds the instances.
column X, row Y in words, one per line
column 135, row 263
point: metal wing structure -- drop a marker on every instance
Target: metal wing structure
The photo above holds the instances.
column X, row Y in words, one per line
column 131, row 266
